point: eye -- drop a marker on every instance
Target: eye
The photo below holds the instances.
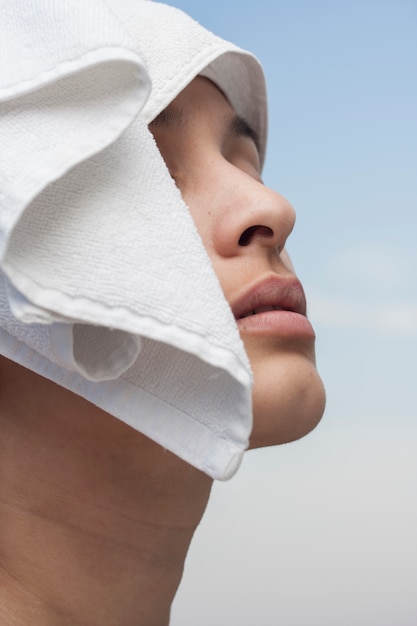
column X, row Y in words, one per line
column 243, row 154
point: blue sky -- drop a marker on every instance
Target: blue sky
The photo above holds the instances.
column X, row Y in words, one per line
column 322, row 532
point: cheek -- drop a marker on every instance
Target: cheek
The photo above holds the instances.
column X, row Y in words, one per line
column 202, row 216
column 205, row 195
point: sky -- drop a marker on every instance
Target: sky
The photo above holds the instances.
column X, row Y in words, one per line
column 322, row 532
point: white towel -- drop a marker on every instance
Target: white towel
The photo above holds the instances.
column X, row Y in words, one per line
column 105, row 286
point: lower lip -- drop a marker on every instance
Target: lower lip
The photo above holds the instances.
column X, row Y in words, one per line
column 277, row 323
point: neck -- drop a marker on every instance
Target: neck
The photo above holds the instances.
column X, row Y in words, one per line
column 96, row 519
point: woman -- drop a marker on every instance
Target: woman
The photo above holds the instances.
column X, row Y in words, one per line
column 141, row 267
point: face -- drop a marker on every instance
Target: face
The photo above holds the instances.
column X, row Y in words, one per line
column 212, row 156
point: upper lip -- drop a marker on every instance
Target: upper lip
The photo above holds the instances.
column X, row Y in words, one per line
column 277, row 292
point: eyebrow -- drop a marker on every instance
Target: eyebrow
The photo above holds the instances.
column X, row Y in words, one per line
column 171, row 116
column 237, row 125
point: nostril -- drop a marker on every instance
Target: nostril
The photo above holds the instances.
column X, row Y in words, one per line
column 249, row 233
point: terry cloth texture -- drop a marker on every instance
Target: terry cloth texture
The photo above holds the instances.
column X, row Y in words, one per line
column 105, row 286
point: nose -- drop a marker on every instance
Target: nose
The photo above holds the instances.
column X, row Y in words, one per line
column 254, row 217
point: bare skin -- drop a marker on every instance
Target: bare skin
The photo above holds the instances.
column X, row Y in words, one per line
column 244, row 225
column 95, row 518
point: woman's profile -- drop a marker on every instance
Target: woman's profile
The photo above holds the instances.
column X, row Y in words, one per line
column 152, row 326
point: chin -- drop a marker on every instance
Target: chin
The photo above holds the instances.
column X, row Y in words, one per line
column 288, row 399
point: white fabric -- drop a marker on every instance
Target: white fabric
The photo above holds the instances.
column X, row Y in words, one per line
column 105, row 285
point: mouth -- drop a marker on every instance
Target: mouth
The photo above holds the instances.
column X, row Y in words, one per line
column 275, row 306
column 273, row 294
column 261, row 309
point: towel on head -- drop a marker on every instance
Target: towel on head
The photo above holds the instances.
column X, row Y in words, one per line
column 105, row 286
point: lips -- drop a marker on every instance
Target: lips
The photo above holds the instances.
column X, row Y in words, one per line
column 274, row 307
column 272, row 294
column 262, row 309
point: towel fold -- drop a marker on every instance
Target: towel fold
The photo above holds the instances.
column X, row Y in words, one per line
column 105, row 286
